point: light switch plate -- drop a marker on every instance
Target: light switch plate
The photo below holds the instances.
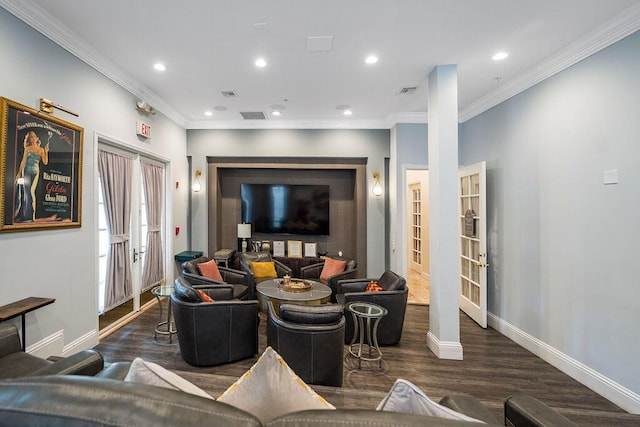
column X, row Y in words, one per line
column 610, row 176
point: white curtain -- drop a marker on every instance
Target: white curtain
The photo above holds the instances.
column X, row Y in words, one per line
column 116, row 173
column 153, row 184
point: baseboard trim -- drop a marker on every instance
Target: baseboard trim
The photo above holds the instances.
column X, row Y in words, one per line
column 88, row 340
column 449, row 350
column 609, row 389
column 51, row 345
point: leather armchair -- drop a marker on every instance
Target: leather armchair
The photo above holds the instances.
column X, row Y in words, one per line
column 15, row 363
column 246, row 258
column 310, row 338
column 242, row 283
column 212, row 333
column 393, row 298
column 313, row 271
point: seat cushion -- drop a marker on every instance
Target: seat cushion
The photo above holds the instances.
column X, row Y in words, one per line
column 210, row 270
column 20, row 364
column 332, row 267
column 311, row 314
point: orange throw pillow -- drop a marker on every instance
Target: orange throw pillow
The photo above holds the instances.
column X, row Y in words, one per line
column 263, row 270
column 373, row 287
column 332, row 267
column 205, row 297
column 210, row 270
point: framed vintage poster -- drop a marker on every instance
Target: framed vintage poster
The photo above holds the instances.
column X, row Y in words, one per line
column 278, row 248
column 310, row 250
column 294, row 248
column 40, row 169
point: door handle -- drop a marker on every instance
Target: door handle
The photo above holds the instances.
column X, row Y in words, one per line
column 135, row 255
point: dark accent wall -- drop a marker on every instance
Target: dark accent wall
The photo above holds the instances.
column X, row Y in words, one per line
column 346, row 178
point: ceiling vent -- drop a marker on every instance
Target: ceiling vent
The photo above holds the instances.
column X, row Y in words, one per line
column 253, row 115
column 229, row 93
column 408, row 90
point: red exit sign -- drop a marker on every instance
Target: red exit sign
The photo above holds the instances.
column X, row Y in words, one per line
column 143, row 129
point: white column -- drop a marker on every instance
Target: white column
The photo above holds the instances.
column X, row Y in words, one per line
column 444, row 324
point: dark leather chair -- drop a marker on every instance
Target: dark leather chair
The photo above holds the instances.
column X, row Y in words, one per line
column 310, row 338
column 15, row 363
column 246, row 258
column 240, row 280
column 393, row 298
column 313, row 271
column 212, row 333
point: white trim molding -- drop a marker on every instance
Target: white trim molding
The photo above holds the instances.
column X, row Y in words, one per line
column 449, row 350
column 88, row 340
column 51, row 345
column 609, row 389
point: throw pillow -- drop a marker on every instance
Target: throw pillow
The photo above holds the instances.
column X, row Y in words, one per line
column 144, row 372
column 407, row 398
column 205, row 296
column 263, row 270
column 210, row 270
column 373, row 287
column 331, row 268
column 271, row 389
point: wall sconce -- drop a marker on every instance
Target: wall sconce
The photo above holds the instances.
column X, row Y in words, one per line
column 376, row 190
column 195, row 186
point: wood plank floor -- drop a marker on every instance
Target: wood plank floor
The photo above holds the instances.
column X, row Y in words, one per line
column 493, row 368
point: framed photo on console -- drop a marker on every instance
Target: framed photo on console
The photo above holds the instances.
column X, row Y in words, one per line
column 40, row 169
column 294, row 248
column 310, row 250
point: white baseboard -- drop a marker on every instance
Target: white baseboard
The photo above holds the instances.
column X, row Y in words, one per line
column 444, row 349
column 53, row 345
column 609, row 389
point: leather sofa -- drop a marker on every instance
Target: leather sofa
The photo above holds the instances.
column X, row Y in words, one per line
column 92, row 401
column 16, row 363
column 314, row 271
column 242, row 283
column 310, row 338
column 212, row 333
column 393, row 297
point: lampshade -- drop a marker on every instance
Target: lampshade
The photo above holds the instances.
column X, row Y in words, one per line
column 244, row 231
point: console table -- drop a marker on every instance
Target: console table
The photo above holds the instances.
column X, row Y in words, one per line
column 22, row 307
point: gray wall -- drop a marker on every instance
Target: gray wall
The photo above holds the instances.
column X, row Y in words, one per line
column 372, row 144
column 562, row 245
column 62, row 263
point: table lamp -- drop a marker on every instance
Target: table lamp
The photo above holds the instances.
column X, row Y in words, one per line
column 244, row 233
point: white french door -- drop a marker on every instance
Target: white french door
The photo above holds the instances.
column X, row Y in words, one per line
column 415, row 221
column 137, row 235
column 473, row 242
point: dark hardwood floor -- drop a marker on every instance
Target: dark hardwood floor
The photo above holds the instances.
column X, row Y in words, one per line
column 493, row 368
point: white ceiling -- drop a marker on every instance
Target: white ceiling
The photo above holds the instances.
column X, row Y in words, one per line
column 210, row 46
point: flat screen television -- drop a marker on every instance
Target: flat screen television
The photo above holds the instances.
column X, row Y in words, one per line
column 286, row 208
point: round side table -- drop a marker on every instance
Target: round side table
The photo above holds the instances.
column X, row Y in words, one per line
column 164, row 327
column 366, row 317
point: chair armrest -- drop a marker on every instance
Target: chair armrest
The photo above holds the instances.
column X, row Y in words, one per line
column 527, row 411
column 281, row 269
column 219, row 292
column 230, row 275
column 87, row 362
column 469, row 406
column 9, row 339
column 195, row 279
column 312, row 271
column 115, row 371
column 352, row 285
column 345, row 275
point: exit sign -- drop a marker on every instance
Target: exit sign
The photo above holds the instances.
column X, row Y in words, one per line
column 143, row 129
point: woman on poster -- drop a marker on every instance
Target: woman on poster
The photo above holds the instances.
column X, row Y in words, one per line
column 29, row 175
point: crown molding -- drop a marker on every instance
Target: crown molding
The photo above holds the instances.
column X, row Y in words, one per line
column 40, row 20
column 617, row 28
column 415, row 117
column 288, row 124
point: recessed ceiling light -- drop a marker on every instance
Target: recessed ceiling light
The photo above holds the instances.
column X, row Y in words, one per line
column 276, row 113
column 347, row 112
column 371, row 59
column 208, row 113
column 500, row 56
column 159, row 66
column 260, row 62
